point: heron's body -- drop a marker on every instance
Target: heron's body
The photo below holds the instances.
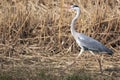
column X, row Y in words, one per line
column 90, row 44
column 86, row 42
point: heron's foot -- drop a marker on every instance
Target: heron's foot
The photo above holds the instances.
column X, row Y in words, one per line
column 71, row 63
column 101, row 72
column 76, row 57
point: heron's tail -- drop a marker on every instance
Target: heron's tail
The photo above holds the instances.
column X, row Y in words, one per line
column 110, row 52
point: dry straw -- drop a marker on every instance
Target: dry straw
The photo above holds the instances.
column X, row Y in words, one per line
column 43, row 25
column 35, row 34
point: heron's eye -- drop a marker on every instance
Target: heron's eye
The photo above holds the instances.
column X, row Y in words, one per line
column 75, row 5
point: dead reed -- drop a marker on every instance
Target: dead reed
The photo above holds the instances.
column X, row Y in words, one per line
column 41, row 27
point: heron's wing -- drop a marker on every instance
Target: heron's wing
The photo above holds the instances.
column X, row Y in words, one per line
column 91, row 44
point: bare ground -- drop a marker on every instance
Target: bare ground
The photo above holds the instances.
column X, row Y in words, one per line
column 36, row 43
column 27, row 66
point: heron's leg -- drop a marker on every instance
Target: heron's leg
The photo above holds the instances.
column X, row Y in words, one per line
column 81, row 51
column 75, row 59
column 99, row 61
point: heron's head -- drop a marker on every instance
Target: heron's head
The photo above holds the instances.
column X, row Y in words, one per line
column 75, row 7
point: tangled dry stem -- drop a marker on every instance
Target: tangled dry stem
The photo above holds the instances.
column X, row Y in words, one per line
column 41, row 27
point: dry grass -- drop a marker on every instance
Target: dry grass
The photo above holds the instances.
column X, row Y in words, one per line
column 36, row 34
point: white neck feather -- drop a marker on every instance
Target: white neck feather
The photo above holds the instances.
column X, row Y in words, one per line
column 73, row 20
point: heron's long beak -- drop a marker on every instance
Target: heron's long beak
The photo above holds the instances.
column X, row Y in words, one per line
column 66, row 7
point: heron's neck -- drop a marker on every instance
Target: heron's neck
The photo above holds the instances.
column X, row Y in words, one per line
column 73, row 22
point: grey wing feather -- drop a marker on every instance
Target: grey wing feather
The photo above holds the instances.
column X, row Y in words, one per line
column 92, row 44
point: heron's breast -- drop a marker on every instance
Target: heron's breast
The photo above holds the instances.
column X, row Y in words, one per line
column 78, row 42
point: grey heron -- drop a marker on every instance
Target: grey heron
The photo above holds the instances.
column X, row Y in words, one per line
column 85, row 42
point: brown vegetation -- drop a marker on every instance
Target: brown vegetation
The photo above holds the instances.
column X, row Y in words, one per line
column 36, row 34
